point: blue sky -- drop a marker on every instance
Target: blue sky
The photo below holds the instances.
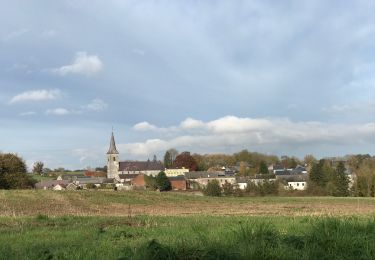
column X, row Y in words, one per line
column 280, row 77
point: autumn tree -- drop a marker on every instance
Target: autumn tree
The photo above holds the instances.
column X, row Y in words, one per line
column 202, row 163
column 185, row 160
column 38, row 167
column 365, row 182
column 309, row 159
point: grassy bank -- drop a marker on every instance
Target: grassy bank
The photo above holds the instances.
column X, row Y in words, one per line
column 189, row 237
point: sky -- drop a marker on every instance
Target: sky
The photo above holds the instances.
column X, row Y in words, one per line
column 277, row 77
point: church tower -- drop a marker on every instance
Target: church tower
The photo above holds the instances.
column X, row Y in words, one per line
column 112, row 159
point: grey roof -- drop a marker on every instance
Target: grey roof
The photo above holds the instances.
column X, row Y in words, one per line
column 50, row 183
column 293, row 177
column 204, row 174
column 177, row 178
column 112, row 146
column 128, row 176
column 141, row 166
column 96, row 180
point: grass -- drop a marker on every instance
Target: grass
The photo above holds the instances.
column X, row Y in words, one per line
column 186, row 237
column 38, row 224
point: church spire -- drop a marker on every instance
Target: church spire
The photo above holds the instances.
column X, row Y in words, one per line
column 112, row 146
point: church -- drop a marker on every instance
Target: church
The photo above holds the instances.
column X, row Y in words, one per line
column 119, row 170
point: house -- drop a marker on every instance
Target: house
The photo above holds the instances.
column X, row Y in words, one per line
column 258, row 179
column 72, row 186
column 59, row 187
column 97, row 181
column 139, row 181
column 178, row 182
column 127, row 178
column 47, row 185
column 296, row 185
column 95, row 174
column 175, row 172
column 201, row 178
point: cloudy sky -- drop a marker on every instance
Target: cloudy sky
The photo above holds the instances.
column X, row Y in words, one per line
column 279, row 77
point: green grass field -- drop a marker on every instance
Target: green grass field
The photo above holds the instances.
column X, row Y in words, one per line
column 150, row 225
column 187, row 237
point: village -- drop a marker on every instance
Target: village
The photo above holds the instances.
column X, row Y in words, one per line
column 132, row 175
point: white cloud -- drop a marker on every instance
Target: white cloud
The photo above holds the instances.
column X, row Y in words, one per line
column 144, row 126
column 36, row 95
column 28, row 113
column 190, row 123
column 96, row 105
column 234, row 133
column 58, row 111
column 82, row 64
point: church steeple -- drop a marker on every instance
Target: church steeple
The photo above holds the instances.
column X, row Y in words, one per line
column 112, row 146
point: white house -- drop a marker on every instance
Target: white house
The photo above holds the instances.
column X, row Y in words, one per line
column 175, row 172
column 59, row 187
column 296, row 185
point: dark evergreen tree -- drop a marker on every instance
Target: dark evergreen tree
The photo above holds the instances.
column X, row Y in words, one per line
column 163, row 182
column 317, row 174
column 167, row 160
column 341, row 180
column 263, row 169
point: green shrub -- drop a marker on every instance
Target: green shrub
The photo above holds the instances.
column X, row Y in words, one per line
column 212, row 189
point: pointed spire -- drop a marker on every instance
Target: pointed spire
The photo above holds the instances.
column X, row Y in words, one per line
column 112, row 146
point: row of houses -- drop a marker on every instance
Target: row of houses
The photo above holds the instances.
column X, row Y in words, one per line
column 181, row 179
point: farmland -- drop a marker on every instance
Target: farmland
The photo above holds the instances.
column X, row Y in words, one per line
column 151, row 225
column 110, row 203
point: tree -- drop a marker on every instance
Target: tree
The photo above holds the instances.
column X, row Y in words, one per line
column 38, row 168
column 202, row 162
column 150, row 182
column 163, row 182
column 185, row 160
column 317, row 175
column 309, row 160
column 228, row 189
column 167, row 160
column 212, row 189
column 13, row 173
column 173, row 153
column 263, row 169
column 341, row 181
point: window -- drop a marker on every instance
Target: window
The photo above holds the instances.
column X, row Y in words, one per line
column 114, row 159
column 297, row 183
column 303, row 184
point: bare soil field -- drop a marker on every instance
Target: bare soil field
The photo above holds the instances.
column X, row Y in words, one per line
column 125, row 203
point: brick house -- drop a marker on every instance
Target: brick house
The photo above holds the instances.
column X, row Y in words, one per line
column 178, row 182
column 139, row 181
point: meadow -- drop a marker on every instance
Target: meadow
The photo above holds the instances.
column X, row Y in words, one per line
column 150, row 225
